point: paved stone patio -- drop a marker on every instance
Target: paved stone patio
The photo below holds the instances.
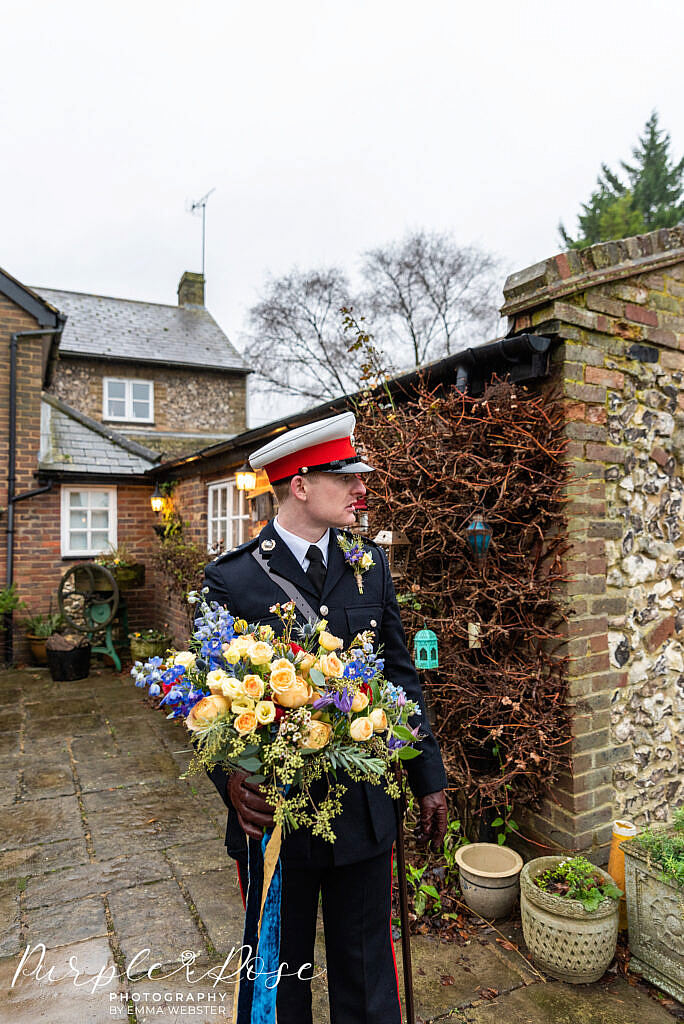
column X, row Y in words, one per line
column 106, row 853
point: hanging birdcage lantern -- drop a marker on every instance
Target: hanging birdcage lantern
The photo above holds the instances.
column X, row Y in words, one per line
column 425, row 649
column 397, row 547
column 479, row 536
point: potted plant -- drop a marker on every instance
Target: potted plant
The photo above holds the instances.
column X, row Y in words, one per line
column 10, row 600
column 148, row 643
column 488, row 876
column 126, row 571
column 654, row 882
column 569, row 916
column 38, row 629
column 68, row 656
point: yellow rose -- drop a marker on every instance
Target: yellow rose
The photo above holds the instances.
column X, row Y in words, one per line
column 321, row 624
column 231, row 687
column 242, row 644
column 379, row 719
column 215, row 680
column 245, row 723
column 253, row 686
column 305, row 662
column 265, row 712
column 242, row 703
column 360, row 701
column 266, row 633
column 261, row 653
column 317, row 736
column 186, row 659
column 329, row 642
column 296, row 695
column 361, row 729
column 331, row 665
column 205, row 711
column 366, row 560
column 283, row 675
column 230, row 654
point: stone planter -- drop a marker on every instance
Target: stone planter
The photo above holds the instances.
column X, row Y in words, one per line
column 655, row 911
column 488, row 876
column 565, row 940
column 128, row 576
column 142, row 649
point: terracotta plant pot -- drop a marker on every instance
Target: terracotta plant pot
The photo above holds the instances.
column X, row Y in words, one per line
column 568, row 942
column 38, row 651
column 656, row 920
column 488, row 876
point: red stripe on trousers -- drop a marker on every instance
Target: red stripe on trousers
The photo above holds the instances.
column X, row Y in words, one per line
column 394, row 957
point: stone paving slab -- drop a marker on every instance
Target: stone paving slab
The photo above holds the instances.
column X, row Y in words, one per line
column 130, row 769
column 155, row 917
column 39, row 821
column 87, row 747
column 216, row 896
column 68, row 922
column 65, row 707
column 9, row 743
column 9, row 780
column 10, row 924
column 90, row 879
column 66, row 998
column 10, row 720
column 203, row 855
column 555, row 1003
column 70, row 725
column 46, row 780
column 37, row 860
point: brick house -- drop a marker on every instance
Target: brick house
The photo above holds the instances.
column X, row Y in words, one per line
column 101, row 388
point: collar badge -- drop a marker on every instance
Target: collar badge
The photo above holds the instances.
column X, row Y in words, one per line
column 267, row 545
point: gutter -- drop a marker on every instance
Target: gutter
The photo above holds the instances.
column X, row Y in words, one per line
column 12, row 498
column 523, row 357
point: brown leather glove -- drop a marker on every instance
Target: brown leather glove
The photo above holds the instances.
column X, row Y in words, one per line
column 433, row 819
column 254, row 814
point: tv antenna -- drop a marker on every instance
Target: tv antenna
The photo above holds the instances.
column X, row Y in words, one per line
column 194, row 208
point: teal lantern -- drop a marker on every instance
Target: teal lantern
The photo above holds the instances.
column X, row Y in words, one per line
column 425, row 652
column 479, row 536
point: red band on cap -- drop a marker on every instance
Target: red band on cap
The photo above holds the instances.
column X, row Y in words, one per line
column 316, row 455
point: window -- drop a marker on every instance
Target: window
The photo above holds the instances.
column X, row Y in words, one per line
column 227, row 516
column 88, row 520
column 127, row 399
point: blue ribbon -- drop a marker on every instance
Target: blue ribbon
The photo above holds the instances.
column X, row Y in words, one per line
column 258, row 990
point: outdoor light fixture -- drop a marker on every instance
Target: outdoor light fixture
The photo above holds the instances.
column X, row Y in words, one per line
column 396, row 546
column 157, row 499
column 245, row 478
column 479, row 535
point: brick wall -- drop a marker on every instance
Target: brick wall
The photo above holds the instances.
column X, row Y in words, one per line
column 617, row 312
column 185, row 400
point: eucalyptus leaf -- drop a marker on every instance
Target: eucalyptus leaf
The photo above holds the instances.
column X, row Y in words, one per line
column 256, row 779
column 316, row 677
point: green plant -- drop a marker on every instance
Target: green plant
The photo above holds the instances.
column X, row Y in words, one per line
column 43, row 625
column 504, row 820
column 409, row 600
column 117, row 556
column 453, row 839
column 182, row 562
column 578, row 879
column 10, row 600
column 149, row 634
column 667, row 851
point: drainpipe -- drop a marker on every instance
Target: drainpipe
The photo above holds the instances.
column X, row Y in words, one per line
column 13, row 498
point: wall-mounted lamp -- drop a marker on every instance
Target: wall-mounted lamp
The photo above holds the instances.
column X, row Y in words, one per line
column 479, row 535
column 245, row 478
column 157, row 499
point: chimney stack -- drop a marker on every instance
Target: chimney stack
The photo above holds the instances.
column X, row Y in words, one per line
column 191, row 289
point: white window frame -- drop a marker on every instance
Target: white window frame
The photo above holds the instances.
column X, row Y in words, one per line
column 236, row 537
column 128, row 382
column 67, row 551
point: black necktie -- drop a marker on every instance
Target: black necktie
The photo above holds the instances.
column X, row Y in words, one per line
column 316, row 570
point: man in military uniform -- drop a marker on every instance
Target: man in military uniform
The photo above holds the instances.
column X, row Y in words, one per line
column 316, row 475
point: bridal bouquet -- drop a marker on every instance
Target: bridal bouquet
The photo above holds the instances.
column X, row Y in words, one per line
column 290, row 711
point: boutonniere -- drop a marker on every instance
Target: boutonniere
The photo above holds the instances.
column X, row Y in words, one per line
column 356, row 556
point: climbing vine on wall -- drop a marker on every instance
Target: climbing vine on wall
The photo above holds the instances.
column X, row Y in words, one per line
column 443, row 457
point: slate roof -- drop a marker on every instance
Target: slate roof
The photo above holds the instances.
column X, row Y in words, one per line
column 73, row 443
column 99, row 326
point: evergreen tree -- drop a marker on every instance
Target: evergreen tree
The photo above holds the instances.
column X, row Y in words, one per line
column 652, row 198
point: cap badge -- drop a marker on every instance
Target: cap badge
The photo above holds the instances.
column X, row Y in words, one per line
column 267, row 545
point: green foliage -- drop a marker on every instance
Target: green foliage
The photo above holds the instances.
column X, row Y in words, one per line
column 409, row 600
column 667, row 851
column 653, row 196
column 453, row 840
column 182, row 562
column 10, row 600
column 43, row 625
column 504, row 821
column 578, row 879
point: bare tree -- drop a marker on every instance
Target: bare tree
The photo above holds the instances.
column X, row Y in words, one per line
column 297, row 342
column 429, row 297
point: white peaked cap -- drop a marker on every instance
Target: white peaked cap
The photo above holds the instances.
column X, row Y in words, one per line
column 326, row 446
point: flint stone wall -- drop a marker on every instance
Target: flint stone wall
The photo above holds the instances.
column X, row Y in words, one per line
column 616, row 313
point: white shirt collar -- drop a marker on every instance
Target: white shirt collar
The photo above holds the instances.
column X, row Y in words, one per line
column 299, row 546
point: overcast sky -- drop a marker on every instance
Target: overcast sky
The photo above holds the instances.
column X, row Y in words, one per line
column 325, row 128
